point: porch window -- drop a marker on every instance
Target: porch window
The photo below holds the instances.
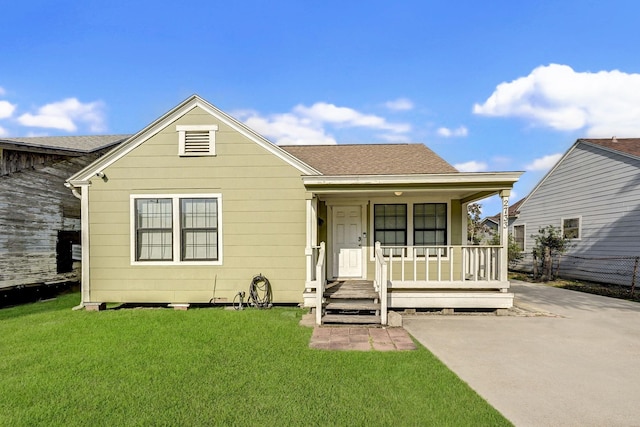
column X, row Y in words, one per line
column 571, row 228
column 174, row 229
column 430, row 227
column 390, row 226
column 518, row 236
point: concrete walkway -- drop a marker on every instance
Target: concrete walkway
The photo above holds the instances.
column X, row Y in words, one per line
column 580, row 367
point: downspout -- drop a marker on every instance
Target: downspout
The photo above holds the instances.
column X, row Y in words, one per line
column 83, row 215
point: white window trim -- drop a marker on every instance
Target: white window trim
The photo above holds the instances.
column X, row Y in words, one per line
column 175, row 200
column 409, row 204
column 524, row 235
column 182, row 132
column 579, row 218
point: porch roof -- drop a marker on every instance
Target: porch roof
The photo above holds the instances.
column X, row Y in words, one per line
column 466, row 186
column 371, row 159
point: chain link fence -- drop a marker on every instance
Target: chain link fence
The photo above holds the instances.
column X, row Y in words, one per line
column 623, row 270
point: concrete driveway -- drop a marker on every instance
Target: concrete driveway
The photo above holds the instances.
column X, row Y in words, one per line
column 578, row 365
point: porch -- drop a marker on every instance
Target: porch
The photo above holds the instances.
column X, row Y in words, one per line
column 433, row 277
column 407, row 235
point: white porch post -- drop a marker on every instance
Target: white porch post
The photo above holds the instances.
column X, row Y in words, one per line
column 465, row 227
column 504, row 236
column 312, row 237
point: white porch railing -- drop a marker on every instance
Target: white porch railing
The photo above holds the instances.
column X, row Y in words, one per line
column 380, row 282
column 320, row 280
column 453, row 266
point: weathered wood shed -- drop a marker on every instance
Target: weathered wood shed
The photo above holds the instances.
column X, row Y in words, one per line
column 39, row 217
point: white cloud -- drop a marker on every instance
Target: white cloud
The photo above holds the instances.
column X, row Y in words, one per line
column 605, row 103
column 472, row 166
column 6, row 109
column 544, row 163
column 514, row 196
column 348, row 117
column 449, row 133
column 3, row 131
column 288, row 129
column 309, row 125
column 67, row 115
column 2, row 91
column 400, row 104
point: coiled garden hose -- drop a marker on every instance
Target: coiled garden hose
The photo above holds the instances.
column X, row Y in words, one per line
column 260, row 292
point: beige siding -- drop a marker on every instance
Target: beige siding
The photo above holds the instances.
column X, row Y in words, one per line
column 263, row 213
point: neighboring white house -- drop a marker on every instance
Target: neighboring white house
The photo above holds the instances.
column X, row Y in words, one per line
column 593, row 195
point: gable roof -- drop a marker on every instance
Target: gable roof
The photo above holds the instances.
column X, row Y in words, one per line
column 82, row 177
column 626, row 146
column 62, row 144
column 371, row 159
column 623, row 145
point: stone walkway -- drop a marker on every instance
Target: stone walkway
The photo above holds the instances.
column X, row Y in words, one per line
column 361, row 339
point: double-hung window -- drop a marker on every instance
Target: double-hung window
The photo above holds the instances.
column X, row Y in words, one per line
column 571, row 228
column 430, row 227
column 390, row 226
column 518, row 236
column 199, row 229
column 175, row 229
column 421, row 225
column 154, row 229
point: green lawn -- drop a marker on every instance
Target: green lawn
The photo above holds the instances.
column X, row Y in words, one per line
column 211, row 366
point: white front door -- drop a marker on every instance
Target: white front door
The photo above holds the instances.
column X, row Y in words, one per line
column 347, row 241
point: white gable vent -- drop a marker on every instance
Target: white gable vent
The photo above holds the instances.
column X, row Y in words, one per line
column 197, row 140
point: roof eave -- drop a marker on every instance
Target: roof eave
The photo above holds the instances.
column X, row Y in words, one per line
column 609, row 149
column 462, row 178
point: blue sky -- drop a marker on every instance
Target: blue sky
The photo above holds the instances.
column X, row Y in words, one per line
column 490, row 86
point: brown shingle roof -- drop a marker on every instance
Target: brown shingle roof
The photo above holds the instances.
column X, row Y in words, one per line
column 625, row 145
column 370, row 159
column 79, row 144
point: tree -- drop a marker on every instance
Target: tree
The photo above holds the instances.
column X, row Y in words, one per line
column 475, row 228
column 550, row 244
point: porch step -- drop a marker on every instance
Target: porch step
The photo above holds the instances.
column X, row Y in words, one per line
column 351, row 302
column 351, row 289
column 352, row 305
column 351, row 319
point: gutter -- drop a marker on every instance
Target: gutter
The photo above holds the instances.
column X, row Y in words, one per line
column 84, row 225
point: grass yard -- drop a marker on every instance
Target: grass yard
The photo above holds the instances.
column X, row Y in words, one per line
column 211, row 366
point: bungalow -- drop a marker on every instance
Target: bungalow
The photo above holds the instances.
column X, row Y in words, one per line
column 194, row 205
column 39, row 218
column 592, row 195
